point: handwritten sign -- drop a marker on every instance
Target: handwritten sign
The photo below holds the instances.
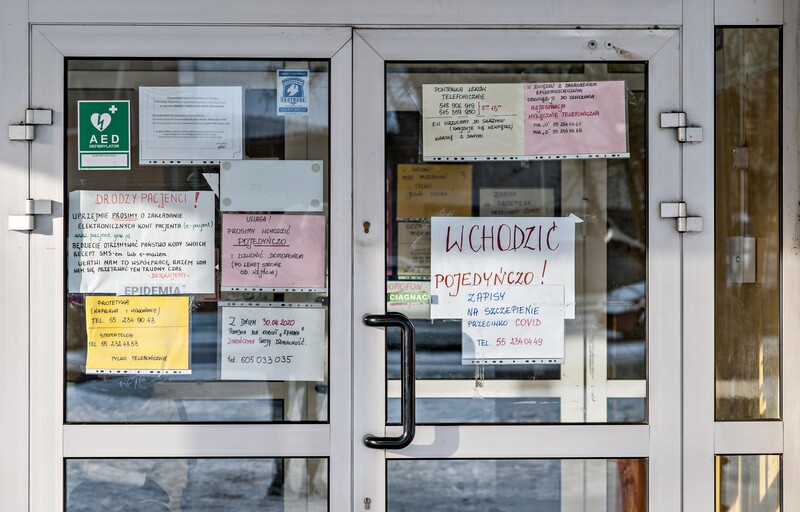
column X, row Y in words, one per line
column 434, row 190
column 472, row 121
column 514, row 325
column 414, row 248
column 137, row 334
column 576, row 120
column 517, row 202
column 130, row 239
column 271, row 185
column 273, row 343
column 190, row 125
column 473, row 254
column 273, row 252
column 524, row 121
column 412, row 298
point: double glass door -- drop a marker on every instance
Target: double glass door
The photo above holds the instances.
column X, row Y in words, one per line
column 255, row 227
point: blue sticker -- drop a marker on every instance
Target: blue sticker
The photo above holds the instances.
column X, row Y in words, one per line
column 293, row 92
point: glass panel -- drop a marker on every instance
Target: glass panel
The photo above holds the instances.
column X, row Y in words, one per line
column 748, row 483
column 196, row 485
column 197, row 278
column 603, row 375
column 568, row 485
column 747, row 232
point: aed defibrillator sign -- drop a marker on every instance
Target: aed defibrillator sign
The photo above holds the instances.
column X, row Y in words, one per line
column 104, row 135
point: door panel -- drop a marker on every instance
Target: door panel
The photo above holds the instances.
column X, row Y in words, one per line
column 594, row 385
column 129, row 402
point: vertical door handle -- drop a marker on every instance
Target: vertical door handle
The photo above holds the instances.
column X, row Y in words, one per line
column 408, row 381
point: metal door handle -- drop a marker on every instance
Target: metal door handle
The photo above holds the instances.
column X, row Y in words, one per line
column 408, row 381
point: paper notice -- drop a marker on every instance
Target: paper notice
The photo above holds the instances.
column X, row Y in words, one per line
column 273, row 343
column 514, row 324
column 473, row 254
column 188, row 125
column 137, row 334
column 434, row 190
column 275, row 252
column 162, row 240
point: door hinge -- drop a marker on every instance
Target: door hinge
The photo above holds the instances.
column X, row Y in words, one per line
column 678, row 120
column 684, row 223
column 26, row 130
column 32, row 207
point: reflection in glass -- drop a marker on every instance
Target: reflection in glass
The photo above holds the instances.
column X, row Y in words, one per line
column 747, row 230
column 603, row 378
column 748, row 483
column 569, row 485
column 196, row 485
column 204, row 395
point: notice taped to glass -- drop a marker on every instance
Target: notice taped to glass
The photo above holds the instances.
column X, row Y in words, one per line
column 273, row 252
column 472, row 255
column 141, row 242
column 190, row 125
column 137, row 335
column 526, row 121
column 277, row 342
column 514, row 325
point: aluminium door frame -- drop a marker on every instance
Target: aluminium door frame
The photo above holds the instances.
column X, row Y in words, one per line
column 19, row 379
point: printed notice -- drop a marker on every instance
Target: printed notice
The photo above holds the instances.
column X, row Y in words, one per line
column 104, row 135
column 141, row 242
column 434, row 190
column 273, row 252
column 524, row 121
column 293, row 92
column 517, row 202
column 412, row 298
column 271, row 185
column 273, row 343
column 190, row 125
column 137, row 334
column 576, row 120
column 414, row 248
column 472, row 121
column 514, row 325
column 470, row 255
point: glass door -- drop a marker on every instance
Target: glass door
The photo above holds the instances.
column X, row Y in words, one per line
column 507, row 220
column 184, row 354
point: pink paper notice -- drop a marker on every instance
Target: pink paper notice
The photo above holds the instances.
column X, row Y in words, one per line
column 273, row 251
column 576, row 119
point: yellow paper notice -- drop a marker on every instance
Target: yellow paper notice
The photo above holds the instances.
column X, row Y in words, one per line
column 434, row 190
column 137, row 334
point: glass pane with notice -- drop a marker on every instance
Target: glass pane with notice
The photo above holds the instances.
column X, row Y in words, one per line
column 516, row 239
column 197, row 240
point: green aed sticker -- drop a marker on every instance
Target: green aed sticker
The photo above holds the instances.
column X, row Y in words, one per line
column 104, row 135
column 408, row 297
